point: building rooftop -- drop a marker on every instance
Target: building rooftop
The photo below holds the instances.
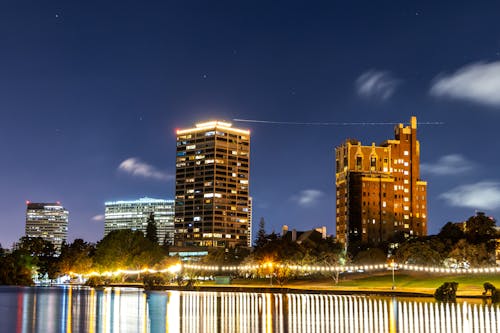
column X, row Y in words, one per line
column 144, row 200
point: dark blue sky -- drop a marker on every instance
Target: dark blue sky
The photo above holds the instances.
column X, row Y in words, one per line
column 86, row 85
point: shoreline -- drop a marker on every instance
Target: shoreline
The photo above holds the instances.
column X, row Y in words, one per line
column 347, row 291
column 292, row 290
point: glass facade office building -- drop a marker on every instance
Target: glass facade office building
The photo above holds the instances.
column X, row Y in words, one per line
column 48, row 221
column 134, row 215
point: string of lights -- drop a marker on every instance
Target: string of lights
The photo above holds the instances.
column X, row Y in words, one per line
column 178, row 268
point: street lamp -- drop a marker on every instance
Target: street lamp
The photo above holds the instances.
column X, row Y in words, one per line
column 393, row 266
column 270, row 265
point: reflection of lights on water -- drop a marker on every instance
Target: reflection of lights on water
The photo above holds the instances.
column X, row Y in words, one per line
column 118, row 310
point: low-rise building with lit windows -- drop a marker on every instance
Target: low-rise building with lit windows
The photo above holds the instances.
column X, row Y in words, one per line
column 134, row 214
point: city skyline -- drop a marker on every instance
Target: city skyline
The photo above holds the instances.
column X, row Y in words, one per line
column 92, row 95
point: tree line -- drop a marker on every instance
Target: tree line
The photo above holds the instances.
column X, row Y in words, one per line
column 470, row 245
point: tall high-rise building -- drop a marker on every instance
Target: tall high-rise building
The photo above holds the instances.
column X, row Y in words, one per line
column 212, row 203
column 134, row 214
column 379, row 191
column 48, row 221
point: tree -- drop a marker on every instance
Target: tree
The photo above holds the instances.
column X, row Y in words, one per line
column 225, row 256
column 76, row 257
column 261, row 239
column 16, row 269
column 370, row 256
column 333, row 256
column 126, row 249
column 151, row 230
column 43, row 253
column 451, row 233
column 475, row 255
column 480, row 228
column 421, row 252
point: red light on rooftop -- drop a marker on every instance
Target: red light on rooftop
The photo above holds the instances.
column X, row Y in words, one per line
column 28, row 202
column 58, row 202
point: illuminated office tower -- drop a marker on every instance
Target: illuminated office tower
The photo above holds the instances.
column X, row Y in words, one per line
column 212, row 203
column 134, row 214
column 379, row 191
column 48, row 221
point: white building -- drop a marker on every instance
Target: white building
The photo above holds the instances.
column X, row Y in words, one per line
column 134, row 215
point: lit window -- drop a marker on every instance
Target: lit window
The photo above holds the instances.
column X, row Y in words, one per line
column 359, row 161
column 405, row 153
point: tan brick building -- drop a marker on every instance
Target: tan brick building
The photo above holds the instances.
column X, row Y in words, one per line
column 379, row 190
column 212, row 202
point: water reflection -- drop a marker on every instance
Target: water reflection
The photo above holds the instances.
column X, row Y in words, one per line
column 132, row 310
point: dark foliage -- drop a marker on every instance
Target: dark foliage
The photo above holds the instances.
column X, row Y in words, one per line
column 495, row 294
column 151, row 229
column 447, row 292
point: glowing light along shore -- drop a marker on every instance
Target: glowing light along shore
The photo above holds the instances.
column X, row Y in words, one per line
column 178, row 268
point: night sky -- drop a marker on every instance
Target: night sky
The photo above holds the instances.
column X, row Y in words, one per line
column 91, row 93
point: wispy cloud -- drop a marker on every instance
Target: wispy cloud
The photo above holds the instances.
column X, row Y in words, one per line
column 478, row 82
column 481, row 195
column 98, row 218
column 452, row 164
column 376, row 84
column 307, row 198
column 136, row 167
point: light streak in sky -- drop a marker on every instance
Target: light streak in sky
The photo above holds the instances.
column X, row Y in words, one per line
column 328, row 123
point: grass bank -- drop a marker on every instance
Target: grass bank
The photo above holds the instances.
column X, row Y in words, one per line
column 411, row 283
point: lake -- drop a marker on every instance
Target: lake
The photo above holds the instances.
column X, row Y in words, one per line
column 81, row 309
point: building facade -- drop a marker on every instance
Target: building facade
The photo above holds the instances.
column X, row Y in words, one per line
column 48, row 221
column 212, row 202
column 380, row 195
column 134, row 214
